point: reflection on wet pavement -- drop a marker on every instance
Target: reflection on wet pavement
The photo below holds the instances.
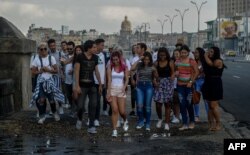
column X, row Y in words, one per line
column 27, row 137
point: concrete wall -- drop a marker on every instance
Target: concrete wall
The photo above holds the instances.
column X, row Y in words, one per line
column 15, row 53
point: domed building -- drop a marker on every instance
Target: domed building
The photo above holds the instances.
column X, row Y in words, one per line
column 125, row 33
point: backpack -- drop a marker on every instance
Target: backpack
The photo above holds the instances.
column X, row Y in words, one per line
column 40, row 58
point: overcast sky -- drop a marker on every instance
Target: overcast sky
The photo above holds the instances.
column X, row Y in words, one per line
column 104, row 15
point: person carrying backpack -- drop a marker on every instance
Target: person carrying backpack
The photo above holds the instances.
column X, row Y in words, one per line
column 45, row 66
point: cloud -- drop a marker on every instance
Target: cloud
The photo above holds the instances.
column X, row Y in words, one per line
column 118, row 12
column 34, row 11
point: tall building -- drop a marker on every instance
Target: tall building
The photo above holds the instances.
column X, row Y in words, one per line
column 231, row 8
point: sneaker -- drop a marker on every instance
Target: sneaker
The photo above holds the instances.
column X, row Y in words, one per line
column 184, row 127
column 147, row 127
column 125, row 126
column 61, row 111
column 78, row 124
column 67, row 106
column 57, row 117
column 41, row 120
column 191, row 126
column 92, row 130
column 166, row 127
column 114, row 133
column 87, row 123
column 196, row 119
column 139, row 125
column 118, row 124
column 96, row 123
column 132, row 113
column 105, row 113
column 159, row 123
column 175, row 120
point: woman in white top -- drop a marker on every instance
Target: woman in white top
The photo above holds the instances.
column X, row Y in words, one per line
column 117, row 75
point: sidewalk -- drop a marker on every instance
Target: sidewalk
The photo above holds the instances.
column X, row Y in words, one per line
column 62, row 137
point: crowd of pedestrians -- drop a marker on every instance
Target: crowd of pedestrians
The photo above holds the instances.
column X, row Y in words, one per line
column 82, row 76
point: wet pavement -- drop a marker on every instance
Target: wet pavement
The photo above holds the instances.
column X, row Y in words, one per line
column 20, row 134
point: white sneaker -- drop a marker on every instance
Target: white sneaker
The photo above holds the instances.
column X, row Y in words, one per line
column 166, row 127
column 96, row 123
column 41, row 120
column 87, row 123
column 118, row 124
column 67, row 106
column 61, row 111
column 57, row 117
column 184, row 127
column 78, row 124
column 175, row 120
column 114, row 133
column 159, row 123
column 125, row 126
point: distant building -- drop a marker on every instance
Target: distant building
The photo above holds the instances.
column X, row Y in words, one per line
column 65, row 30
column 125, row 34
column 41, row 34
column 230, row 8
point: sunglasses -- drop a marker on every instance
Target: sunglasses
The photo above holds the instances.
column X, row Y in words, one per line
column 43, row 49
column 70, row 49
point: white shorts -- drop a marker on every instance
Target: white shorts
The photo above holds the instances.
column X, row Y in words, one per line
column 117, row 91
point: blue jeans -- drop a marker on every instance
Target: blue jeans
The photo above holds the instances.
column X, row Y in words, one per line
column 144, row 92
column 198, row 84
column 185, row 96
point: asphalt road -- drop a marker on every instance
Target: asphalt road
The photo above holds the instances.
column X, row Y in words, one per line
column 236, row 84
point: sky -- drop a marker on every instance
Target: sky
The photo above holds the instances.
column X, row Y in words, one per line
column 105, row 15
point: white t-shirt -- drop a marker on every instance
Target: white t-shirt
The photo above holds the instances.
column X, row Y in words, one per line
column 33, row 57
column 136, row 58
column 68, row 72
column 117, row 79
column 37, row 63
column 101, row 68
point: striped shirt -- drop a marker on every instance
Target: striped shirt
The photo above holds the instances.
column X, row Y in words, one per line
column 185, row 71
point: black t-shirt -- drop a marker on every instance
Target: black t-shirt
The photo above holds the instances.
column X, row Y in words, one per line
column 87, row 67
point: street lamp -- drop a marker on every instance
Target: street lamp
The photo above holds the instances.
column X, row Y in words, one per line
column 145, row 29
column 171, row 21
column 198, row 10
column 182, row 17
column 162, row 26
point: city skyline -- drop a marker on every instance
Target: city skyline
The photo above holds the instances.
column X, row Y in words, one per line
column 105, row 16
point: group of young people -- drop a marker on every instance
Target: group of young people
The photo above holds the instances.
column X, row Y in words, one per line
column 70, row 76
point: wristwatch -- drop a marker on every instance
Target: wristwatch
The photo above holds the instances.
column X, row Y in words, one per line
column 190, row 81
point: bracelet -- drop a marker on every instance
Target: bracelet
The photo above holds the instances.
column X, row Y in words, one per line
column 190, row 81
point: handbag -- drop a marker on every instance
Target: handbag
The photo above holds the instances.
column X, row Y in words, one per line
column 196, row 96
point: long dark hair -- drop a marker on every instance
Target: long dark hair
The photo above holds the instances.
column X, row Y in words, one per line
column 216, row 55
column 75, row 55
column 147, row 54
column 201, row 55
column 173, row 57
column 165, row 51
